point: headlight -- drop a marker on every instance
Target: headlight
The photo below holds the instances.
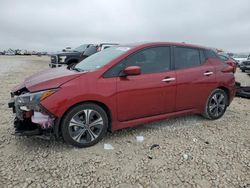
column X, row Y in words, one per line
column 31, row 101
column 62, row 58
column 36, row 97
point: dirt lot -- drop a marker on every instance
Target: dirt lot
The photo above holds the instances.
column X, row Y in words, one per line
column 193, row 152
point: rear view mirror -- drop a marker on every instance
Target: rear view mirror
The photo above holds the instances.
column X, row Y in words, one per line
column 132, row 71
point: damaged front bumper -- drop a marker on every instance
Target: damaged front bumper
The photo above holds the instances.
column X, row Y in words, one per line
column 31, row 117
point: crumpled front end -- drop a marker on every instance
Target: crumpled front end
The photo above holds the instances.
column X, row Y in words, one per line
column 31, row 117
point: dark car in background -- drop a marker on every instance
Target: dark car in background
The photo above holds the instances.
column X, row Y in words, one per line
column 245, row 66
column 97, row 48
column 239, row 58
column 71, row 58
column 68, row 58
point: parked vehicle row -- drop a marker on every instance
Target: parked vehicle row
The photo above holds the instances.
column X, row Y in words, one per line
column 245, row 66
column 21, row 52
column 71, row 58
column 123, row 86
column 241, row 57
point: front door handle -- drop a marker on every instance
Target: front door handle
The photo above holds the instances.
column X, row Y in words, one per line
column 208, row 73
column 168, row 79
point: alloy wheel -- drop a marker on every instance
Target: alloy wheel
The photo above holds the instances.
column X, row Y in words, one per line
column 86, row 126
column 217, row 104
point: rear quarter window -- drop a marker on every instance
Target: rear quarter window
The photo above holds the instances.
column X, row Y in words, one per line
column 211, row 54
column 223, row 58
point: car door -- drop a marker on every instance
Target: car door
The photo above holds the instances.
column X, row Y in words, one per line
column 150, row 93
column 195, row 78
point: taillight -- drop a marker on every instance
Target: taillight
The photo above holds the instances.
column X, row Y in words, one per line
column 228, row 69
column 232, row 65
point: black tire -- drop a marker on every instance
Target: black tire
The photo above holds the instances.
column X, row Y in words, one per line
column 78, row 130
column 243, row 70
column 214, row 110
column 71, row 64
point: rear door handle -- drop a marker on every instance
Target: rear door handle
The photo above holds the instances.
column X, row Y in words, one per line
column 208, row 73
column 168, row 79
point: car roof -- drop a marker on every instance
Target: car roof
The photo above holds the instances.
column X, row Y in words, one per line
column 148, row 44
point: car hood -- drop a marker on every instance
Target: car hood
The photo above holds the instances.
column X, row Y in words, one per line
column 47, row 79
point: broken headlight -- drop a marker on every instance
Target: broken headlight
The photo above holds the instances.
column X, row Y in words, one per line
column 30, row 101
column 35, row 97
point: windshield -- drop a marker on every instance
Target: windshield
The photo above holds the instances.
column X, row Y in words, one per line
column 240, row 56
column 101, row 58
column 81, row 48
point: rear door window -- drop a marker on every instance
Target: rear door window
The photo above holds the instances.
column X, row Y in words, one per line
column 187, row 57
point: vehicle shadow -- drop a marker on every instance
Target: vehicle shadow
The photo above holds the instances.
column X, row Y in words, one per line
column 58, row 144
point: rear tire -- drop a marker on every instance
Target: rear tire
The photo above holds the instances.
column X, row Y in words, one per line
column 84, row 125
column 216, row 104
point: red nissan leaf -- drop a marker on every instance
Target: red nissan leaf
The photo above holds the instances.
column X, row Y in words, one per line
column 123, row 86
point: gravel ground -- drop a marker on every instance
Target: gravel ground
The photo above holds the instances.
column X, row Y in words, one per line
column 192, row 152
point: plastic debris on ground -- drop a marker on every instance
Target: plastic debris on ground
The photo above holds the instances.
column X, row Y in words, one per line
column 139, row 138
column 185, row 156
column 155, row 146
column 108, row 147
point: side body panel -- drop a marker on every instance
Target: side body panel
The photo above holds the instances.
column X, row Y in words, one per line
column 145, row 95
column 193, row 87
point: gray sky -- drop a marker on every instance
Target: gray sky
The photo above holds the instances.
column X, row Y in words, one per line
column 52, row 25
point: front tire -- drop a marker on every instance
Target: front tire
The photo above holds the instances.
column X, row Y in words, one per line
column 84, row 125
column 71, row 64
column 216, row 104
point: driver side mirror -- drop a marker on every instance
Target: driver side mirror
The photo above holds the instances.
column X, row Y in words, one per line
column 132, row 71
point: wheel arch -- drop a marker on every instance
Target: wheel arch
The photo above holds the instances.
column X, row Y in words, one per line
column 101, row 104
column 72, row 60
column 226, row 91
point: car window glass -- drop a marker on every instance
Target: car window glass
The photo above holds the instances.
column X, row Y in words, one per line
column 115, row 70
column 151, row 60
column 210, row 54
column 81, row 48
column 90, row 50
column 186, row 57
column 223, row 58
